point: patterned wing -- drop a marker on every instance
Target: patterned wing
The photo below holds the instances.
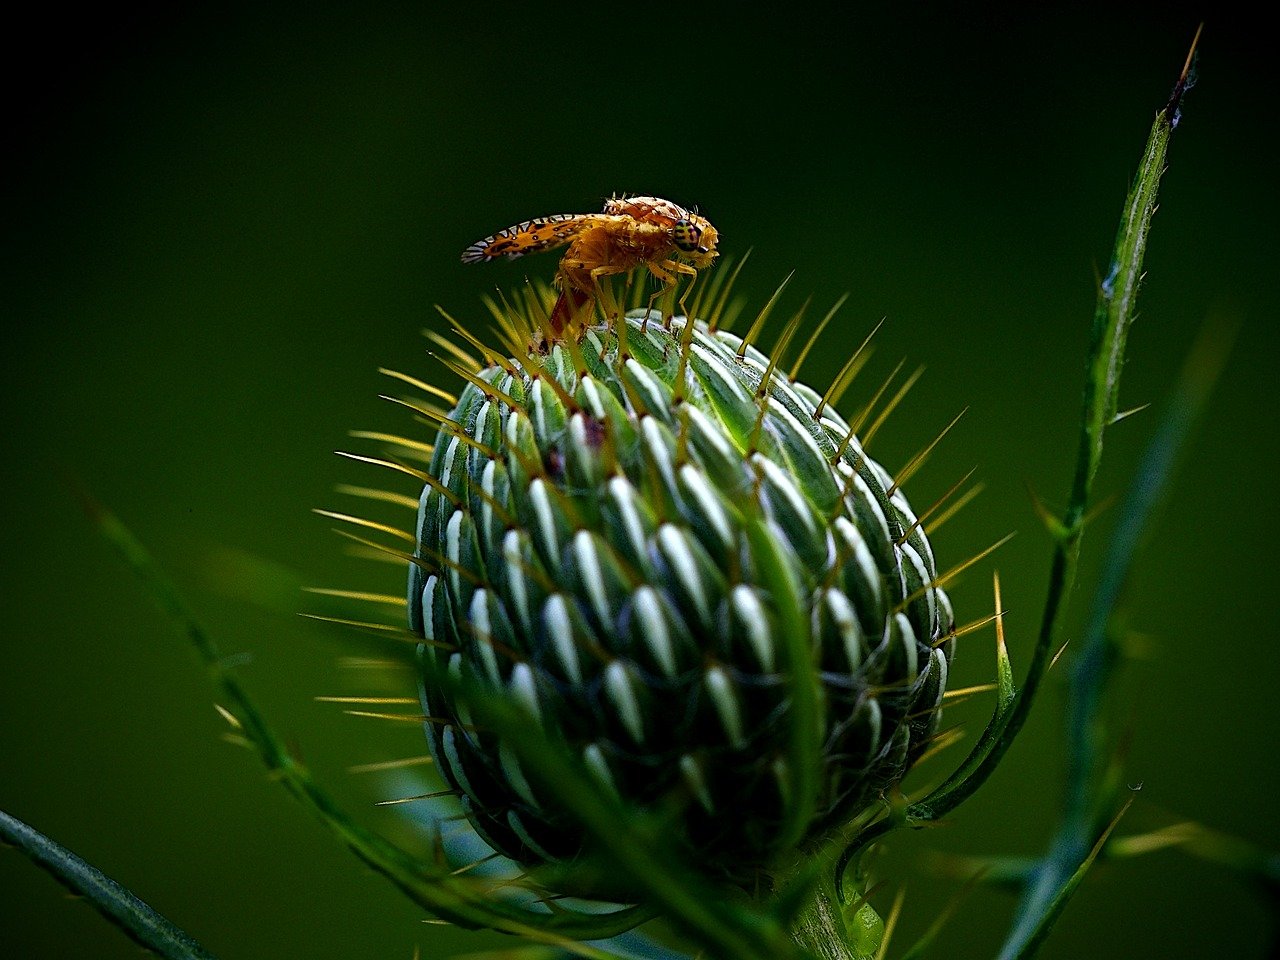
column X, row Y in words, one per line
column 532, row 236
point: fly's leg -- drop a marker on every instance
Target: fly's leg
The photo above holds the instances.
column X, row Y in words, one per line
column 665, row 271
column 693, row 279
column 604, row 293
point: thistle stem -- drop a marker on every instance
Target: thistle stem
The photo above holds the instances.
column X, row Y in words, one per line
column 819, row 927
column 824, row 927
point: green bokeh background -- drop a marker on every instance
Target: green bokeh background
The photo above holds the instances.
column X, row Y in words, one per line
column 221, row 222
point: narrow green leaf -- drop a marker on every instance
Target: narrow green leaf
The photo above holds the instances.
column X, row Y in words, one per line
column 1117, row 296
column 629, row 841
column 803, row 759
column 1045, row 920
column 139, row 921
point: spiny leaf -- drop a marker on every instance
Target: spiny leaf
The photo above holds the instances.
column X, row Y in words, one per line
column 1114, row 313
column 1087, row 776
column 431, row 885
column 1112, row 317
column 1045, row 920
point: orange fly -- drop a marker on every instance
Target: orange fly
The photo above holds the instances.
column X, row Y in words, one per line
column 631, row 232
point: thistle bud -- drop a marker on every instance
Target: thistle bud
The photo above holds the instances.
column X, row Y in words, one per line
column 592, row 546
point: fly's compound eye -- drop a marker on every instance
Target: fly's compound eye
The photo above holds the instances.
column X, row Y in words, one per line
column 686, row 236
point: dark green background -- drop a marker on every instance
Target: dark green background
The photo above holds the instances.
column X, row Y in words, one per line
column 220, row 223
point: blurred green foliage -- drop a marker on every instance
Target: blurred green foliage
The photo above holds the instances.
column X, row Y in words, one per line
column 221, row 222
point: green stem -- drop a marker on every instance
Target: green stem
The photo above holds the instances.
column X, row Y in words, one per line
column 819, row 926
column 820, row 929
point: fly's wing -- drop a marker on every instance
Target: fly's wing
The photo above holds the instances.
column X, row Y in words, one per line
column 532, row 236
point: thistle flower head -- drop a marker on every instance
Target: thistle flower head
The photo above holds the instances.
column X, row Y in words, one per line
column 684, row 570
